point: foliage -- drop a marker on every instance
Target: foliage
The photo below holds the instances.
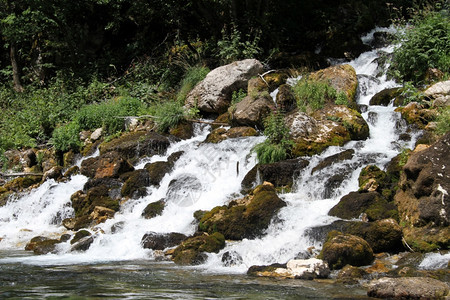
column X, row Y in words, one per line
column 66, row 137
column 411, row 94
column 232, row 47
column 278, row 144
column 237, row 96
column 425, row 44
column 312, row 95
column 191, row 78
column 443, row 121
column 168, row 114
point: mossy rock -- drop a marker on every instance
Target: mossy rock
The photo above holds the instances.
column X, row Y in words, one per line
column 385, row 96
column 346, row 249
column 352, row 205
column 417, row 114
column 264, row 270
column 157, row 170
column 371, row 178
column 136, row 184
column 190, row 252
column 184, row 130
column 285, row 99
column 244, row 218
column 21, row 183
column 303, row 147
column 223, row 119
column 350, row 275
column 46, row 246
column 154, row 209
column 108, row 165
column 428, row 238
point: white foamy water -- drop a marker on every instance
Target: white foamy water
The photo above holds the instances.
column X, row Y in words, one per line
column 207, row 175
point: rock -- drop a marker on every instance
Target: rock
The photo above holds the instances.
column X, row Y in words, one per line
column 308, row 268
column 136, row 184
column 134, row 145
column 328, row 161
column 285, row 99
column 256, row 85
column 350, row 275
column 213, row 94
column 341, row 77
column 28, row 158
column 343, row 249
column 221, row 134
column 279, row 174
column 46, row 246
column 101, row 214
column 244, row 218
column 110, row 164
column 54, row 173
column 231, row 258
column 33, row 242
column 184, row 130
column 385, row 96
column 267, row 271
column 191, row 251
column 253, row 109
column 161, row 241
column 381, row 39
column 438, row 89
column 69, row 223
column 74, row 170
column 79, row 235
column 371, row 179
column 423, row 198
column 157, row 170
column 106, row 186
column 352, row 205
column 83, row 244
column 408, row 288
column 154, row 209
column 417, row 114
column 21, row 183
column 96, row 134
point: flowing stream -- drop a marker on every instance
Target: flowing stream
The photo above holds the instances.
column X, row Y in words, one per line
column 207, row 175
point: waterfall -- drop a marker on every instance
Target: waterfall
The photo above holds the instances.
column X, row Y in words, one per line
column 206, row 177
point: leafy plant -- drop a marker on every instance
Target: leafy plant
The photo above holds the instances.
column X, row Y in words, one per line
column 411, row 94
column 424, row 44
column 66, row 137
column 443, row 121
column 278, row 144
column 191, row 78
column 233, row 47
column 168, row 115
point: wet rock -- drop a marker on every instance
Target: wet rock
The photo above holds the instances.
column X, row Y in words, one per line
column 33, row 242
column 308, row 268
column 381, row 39
column 21, row 183
column 279, row 174
column 221, row 134
column 74, row 170
column 231, row 258
column 117, row 227
column 157, row 170
column 352, row 205
column 136, row 184
column 106, row 186
column 423, row 198
column 253, row 109
column 408, row 288
column 342, row 249
column 54, row 173
column 161, row 241
column 385, row 96
column 213, row 94
column 110, row 164
column 266, row 271
column 244, row 218
column 82, row 244
column 328, row 161
column 184, row 130
column 45, row 246
column 79, row 235
column 154, row 209
column 101, row 214
column 417, row 114
column 371, row 179
column 350, row 275
column 69, row 223
column 65, row 237
column 191, row 251
column 134, row 145
column 285, row 99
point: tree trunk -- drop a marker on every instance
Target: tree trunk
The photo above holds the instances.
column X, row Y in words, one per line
column 15, row 67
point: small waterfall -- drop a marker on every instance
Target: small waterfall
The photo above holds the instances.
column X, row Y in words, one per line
column 206, row 176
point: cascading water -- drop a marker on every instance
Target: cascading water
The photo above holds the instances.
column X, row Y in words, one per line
column 207, row 175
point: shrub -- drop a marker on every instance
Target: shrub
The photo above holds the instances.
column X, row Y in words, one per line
column 191, row 78
column 232, row 47
column 424, row 44
column 278, row 143
column 168, row 115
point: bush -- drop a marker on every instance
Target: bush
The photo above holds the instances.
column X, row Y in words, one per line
column 168, row 115
column 232, row 47
column 312, row 95
column 424, row 44
column 66, row 137
column 278, row 143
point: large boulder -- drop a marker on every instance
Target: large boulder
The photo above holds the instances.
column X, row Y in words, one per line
column 408, row 288
column 161, row 241
column 280, row 173
column 385, row 96
column 134, row 145
column 343, row 249
column 423, row 198
column 253, row 109
column 244, row 218
column 110, row 164
column 439, row 93
column 213, row 94
column 192, row 250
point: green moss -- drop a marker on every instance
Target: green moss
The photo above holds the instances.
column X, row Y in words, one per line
column 79, row 235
